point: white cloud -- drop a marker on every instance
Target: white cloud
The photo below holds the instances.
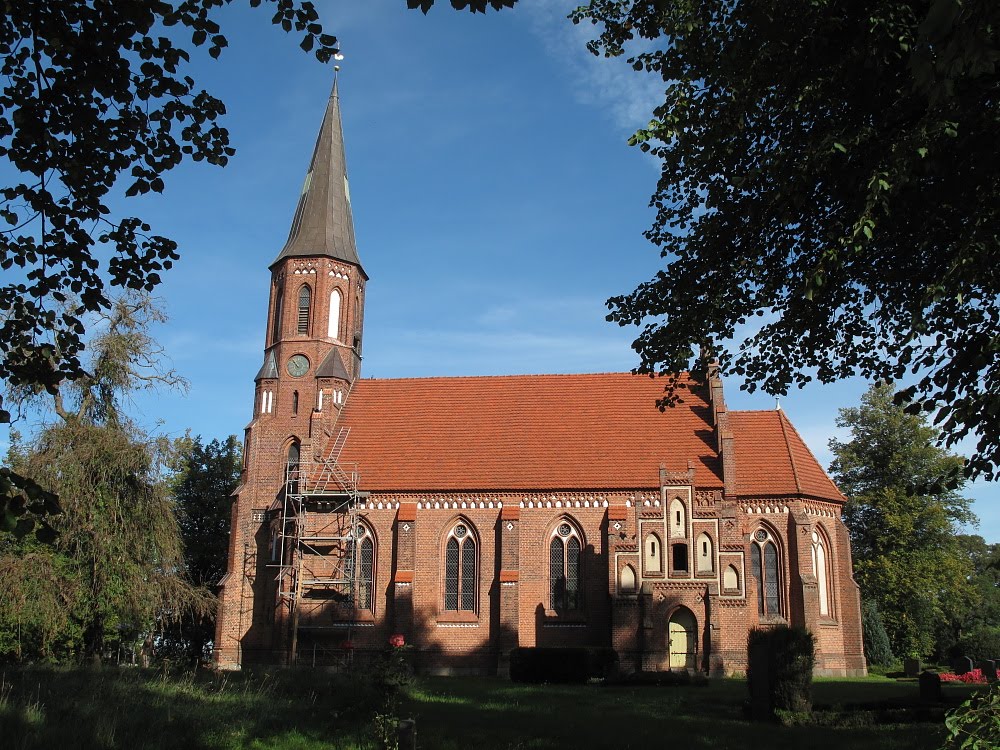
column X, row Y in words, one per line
column 611, row 83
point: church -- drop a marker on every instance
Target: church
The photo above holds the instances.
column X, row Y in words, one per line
column 474, row 515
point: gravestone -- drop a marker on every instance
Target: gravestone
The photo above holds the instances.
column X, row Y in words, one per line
column 911, row 667
column 989, row 669
column 406, row 734
column 930, row 687
column 961, row 665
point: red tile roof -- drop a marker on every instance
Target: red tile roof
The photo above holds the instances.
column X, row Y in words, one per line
column 525, row 432
column 561, row 432
column 772, row 458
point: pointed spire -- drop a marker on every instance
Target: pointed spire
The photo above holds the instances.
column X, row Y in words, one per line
column 323, row 224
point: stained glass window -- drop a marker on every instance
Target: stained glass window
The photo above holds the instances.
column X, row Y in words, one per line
column 460, row 571
column 366, row 573
column 565, row 573
column 764, row 566
column 451, row 575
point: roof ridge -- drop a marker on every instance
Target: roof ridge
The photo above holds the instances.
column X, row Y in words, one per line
column 686, row 375
column 783, row 420
column 811, row 454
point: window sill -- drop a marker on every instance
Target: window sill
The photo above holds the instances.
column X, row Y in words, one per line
column 457, row 616
column 554, row 616
column 705, row 574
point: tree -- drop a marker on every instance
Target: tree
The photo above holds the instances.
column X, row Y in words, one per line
column 907, row 555
column 878, row 651
column 116, row 568
column 826, row 196
column 95, row 94
column 204, row 477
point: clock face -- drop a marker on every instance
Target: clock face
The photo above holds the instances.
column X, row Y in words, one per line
column 298, row 366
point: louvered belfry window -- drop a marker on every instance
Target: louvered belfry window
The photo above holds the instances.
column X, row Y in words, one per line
column 564, row 569
column 276, row 323
column 305, row 298
column 460, row 572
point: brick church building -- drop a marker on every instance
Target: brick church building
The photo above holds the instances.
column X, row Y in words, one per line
column 476, row 514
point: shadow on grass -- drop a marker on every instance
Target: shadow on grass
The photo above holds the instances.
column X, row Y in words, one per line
column 129, row 708
column 457, row 713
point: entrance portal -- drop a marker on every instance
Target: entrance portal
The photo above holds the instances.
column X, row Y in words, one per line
column 683, row 644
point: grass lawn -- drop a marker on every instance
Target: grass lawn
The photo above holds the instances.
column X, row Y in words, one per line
column 129, row 708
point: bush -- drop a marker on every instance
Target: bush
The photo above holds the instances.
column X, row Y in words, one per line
column 878, row 651
column 983, row 642
column 976, row 723
column 779, row 670
column 537, row 664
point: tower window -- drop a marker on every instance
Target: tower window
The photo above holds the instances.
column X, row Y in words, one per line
column 305, row 298
column 295, row 402
column 333, row 328
column 276, row 322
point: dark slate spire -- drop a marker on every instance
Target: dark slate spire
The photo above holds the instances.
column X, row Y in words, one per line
column 323, row 225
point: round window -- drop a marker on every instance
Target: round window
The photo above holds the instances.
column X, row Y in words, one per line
column 761, row 535
column 564, row 529
column 460, row 530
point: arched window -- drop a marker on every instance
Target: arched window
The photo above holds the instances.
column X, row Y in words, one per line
column 821, row 567
column 731, row 579
column 764, row 567
column 295, row 402
column 366, row 567
column 678, row 523
column 705, row 560
column 565, row 572
column 627, row 581
column 460, row 569
column 292, row 468
column 652, row 552
column 305, row 298
column 276, row 322
column 333, row 327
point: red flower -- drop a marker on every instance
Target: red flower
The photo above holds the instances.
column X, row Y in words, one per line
column 397, row 640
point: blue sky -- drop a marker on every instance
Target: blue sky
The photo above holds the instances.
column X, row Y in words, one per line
column 496, row 207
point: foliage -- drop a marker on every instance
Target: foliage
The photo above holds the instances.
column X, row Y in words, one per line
column 980, row 642
column 782, row 657
column 393, row 674
column 975, row 725
column 115, row 570
column 825, row 208
column 203, row 477
column 878, row 650
column 95, row 97
column 907, row 557
column 972, row 634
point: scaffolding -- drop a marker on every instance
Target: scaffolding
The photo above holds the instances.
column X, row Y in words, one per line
column 318, row 536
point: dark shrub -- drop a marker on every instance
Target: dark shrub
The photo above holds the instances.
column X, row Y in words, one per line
column 982, row 642
column 779, row 669
column 877, row 648
column 539, row 664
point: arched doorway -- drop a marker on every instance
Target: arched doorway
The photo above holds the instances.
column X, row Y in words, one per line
column 683, row 643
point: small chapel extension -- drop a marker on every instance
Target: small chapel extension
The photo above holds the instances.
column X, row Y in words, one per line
column 477, row 514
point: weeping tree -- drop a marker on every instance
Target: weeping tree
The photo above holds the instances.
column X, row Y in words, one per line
column 116, row 568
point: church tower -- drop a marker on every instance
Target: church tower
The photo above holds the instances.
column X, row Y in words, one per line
column 312, row 357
